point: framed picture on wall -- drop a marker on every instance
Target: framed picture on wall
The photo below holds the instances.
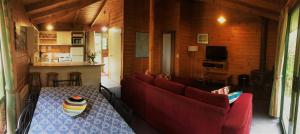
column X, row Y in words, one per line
column 142, row 45
column 20, row 37
column 202, row 38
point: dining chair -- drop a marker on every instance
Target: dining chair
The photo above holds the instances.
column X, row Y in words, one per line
column 32, row 98
column 125, row 111
column 35, row 83
column 77, row 77
column 25, row 119
column 106, row 93
column 63, row 83
column 51, row 76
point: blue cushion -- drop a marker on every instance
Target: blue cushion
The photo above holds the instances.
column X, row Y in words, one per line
column 234, row 96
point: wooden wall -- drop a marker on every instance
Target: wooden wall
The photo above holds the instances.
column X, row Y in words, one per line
column 20, row 57
column 241, row 35
column 136, row 19
column 167, row 20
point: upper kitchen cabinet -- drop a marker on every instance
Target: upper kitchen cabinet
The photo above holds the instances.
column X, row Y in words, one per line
column 64, row 38
column 48, row 38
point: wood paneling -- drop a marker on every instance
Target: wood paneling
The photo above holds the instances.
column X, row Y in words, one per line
column 20, row 57
column 111, row 15
column 136, row 19
column 240, row 34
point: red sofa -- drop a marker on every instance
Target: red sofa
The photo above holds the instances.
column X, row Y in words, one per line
column 171, row 107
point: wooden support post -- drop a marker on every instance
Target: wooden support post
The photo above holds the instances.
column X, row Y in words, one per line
column 151, row 35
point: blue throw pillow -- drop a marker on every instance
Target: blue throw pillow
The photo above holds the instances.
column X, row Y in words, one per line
column 234, row 96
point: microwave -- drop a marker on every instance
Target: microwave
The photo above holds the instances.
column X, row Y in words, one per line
column 77, row 41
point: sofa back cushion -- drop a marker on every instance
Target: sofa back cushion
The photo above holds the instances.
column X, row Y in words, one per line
column 207, row 97
column 143, row 77
column 171, row 86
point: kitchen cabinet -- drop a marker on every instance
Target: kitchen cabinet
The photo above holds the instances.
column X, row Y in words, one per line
column 47, row 38
column 64, row 38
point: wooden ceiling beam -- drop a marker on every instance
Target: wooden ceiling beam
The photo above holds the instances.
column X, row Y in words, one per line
column 274, row 7
column 75, row 17
column 42, row 5
column 98, row 13
column 69, row 7
column 238, row 6
column 52, row 19
column 62, row 27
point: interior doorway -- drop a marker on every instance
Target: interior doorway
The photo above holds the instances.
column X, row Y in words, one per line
column 114, row 54
column 168, row 53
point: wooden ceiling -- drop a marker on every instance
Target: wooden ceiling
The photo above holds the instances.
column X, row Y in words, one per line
column 87, row 12
column 67, row 12
column 266, row 8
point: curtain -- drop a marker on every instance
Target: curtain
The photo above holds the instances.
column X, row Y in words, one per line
column 6, row 62
column 277, row 84
column 2, row 97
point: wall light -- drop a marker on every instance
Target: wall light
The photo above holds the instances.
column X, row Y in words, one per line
column 192, row 50
column 49, row 27
column 104, row 29
column 221, row 19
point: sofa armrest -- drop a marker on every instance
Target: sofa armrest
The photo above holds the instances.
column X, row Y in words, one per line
column 239, row 118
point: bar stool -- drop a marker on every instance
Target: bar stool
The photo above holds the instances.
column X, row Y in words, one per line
column 77, row 77
column 51, row 76
column 35, row 83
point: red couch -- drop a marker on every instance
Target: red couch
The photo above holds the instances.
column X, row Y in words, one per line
column 173, row 108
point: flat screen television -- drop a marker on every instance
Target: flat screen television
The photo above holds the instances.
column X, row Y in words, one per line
column 216, row 53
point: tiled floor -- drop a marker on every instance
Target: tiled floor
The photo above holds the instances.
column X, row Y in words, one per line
column 262, row 123
column 141, row 127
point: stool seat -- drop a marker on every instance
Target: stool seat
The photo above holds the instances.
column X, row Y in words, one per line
column 51, row 76
column 76, row 79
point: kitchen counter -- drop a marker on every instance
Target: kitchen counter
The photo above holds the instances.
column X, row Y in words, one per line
column 90, row 72
column 65, row 64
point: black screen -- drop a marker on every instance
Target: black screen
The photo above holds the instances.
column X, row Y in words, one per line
column 217, row 53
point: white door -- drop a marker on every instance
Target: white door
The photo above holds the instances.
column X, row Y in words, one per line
column 167, row 53
column 114, row 50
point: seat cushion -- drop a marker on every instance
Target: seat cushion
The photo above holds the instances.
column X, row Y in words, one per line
column 207, row 97
column 143, row 77
column 171, row 86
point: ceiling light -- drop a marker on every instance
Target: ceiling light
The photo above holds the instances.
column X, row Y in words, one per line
column 104, row 29
column 221, row 19
column 49, row 27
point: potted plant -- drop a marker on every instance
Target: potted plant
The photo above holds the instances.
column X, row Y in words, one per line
column 91, row 57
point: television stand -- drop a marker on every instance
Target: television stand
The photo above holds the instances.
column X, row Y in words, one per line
column 219, row 65
column 216, row 72
column 213, row 77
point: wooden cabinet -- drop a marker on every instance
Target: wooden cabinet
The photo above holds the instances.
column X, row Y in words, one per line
column 64, row 38
column 47, row 38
